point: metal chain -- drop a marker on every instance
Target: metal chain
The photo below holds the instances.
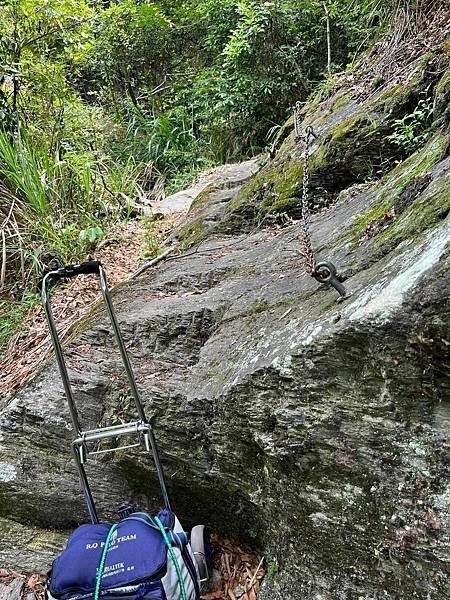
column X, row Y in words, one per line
column 305, row 237
column 325, row 271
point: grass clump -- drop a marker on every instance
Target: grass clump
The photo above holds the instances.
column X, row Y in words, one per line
column 12, row 315
column 53, row 208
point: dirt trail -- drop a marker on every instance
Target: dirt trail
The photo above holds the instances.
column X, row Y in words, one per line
column 121, row 253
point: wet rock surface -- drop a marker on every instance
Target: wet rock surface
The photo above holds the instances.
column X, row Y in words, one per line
column 313, row 429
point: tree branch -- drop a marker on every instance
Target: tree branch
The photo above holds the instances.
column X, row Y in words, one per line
column 327, row 16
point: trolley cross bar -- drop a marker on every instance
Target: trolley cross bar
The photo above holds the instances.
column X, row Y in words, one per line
column 93, row 435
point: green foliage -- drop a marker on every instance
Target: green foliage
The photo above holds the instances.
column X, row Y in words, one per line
column 12, row 314
column 91, row 234
column 122, row 411
column 39, row 43
column 51, row 207
column 166, row 141
column 197, row 82
column 22, row 167
column 271, row 56
column 413, row 130
column 152, row 238
column 132, row 42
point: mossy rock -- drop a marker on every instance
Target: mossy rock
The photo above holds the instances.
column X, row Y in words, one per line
column 207, row 209
column 394, row 101
column 319, row 110
column 441, row 105
column 348, row 151
column 425, row 210
column 193, row 233
column 274, row 191
column 430, row 207
column 394, row 183
column 37, row 546
column 352, row 147
column 198, row 204
column 282, row 134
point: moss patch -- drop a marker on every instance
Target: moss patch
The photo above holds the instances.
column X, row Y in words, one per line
column 287, row 183
column 282, row 134
column 32, row 538
column 273, row 191
column 394, row 184
column 193, row 233
column 441, row 105
column 427, row 210
column 444, row 84
column 347, row 127
column 201, row 200
column 362, row 221
column 319, row 111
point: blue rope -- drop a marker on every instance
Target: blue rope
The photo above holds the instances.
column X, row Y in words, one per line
column 173, row 557
column 101, row 567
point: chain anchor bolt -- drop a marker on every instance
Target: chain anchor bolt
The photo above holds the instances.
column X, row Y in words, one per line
column 325, row 272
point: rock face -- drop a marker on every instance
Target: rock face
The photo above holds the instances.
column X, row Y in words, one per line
column 314, row 429
column 230, row 176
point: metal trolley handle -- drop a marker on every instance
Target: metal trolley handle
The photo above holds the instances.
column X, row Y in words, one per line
column 141, row 428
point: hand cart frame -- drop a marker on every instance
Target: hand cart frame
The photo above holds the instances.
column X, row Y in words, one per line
column 141, row 427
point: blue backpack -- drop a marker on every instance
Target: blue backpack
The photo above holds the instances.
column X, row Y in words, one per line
column 139, row 558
